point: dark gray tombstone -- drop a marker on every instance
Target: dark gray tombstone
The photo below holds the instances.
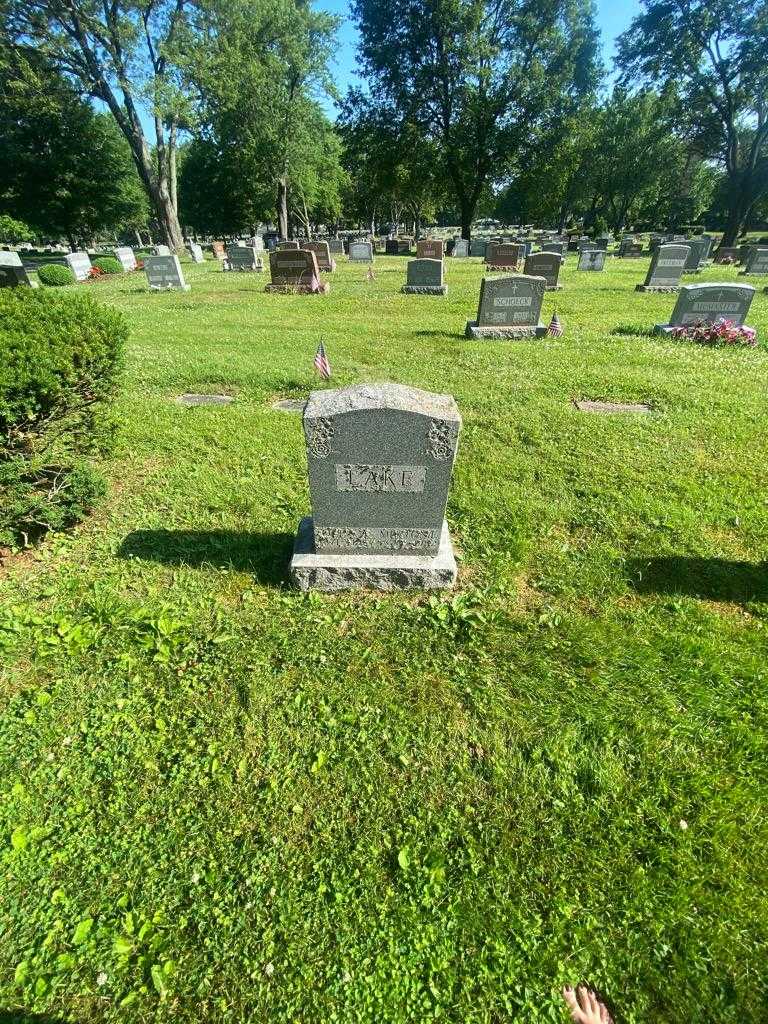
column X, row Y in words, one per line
column 336, row 246
column 380, row 458
column 13, row 274
column 694, row 262
column 665, row 270
column 744, row 249
column 127, row 258
column 546, row 265
column 164, row 274
column 478, row 247
column 295, row 270
column 709, row 303
column 290, row 244
column 361, row 252
column 556, row 247
column 244, row 258
column 80, row 265
column 425, row 277
column 758, row 261
column 592, row 259
column 323, row 254
column 460, row 248
column 430, row 249
column 509, row 307
column 504, row 255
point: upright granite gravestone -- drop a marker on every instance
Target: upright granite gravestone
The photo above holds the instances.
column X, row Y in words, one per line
column 504, row 255
column 425, row 277
column 744, row 249
column 162, row 250
column 592, row 259
column 694, row 263
column 164, row 274
column 127, row 258
column 323, row 253
column 13, row 272
column 509, row 307
column 336, row 246
column 219, row 251
column 708, row 303
column 587, row 245
column 196, row 252
column 380, row 458
column 666, row 267
column 478, row 247
column 361, row 252
column 630, row 249
column 546, row 265
column 244, row 258
column 290, row 244
column 295, row 270
column 557, row 247
column 80, row 265
column 430, row 249
column 398, row 247
column 460, row 248
column 758, row 261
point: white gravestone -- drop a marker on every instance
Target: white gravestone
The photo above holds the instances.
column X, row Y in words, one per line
column 80, row 265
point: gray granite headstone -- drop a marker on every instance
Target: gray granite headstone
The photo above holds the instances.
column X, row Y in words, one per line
column 509, row 307
column 461, row 248
column 758, row 261
column 127, row 258
column 336, row 246
column 708, row 303
column 162, row 250
column 323, row 253
column 164, row 274
column 290, row 244
column 425, row 277
column 196, row 252
column 244, row 258
column 592, row 259
column 504, row 255
column 380, row 458
column 80, row 265
column 557, row 247
column 744, row 250
column 430, row 249
column 698, row 247
column 295, row 270
column 478, row 247
column 546, row 265
column 13, row 272
column 666, row 267
column 361, row 252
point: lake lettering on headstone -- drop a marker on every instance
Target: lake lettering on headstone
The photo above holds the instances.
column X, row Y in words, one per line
column 425, row 277
column 380, row 459
column 295, row 270
column 509, row 307
column 361, row 252
column 164, row 273
column 665, row 270
column 592, row 259
column 80, row 265
column 546, row 265
column 127, row 258
column 709, row 303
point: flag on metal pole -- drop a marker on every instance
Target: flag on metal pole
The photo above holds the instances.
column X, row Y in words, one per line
column 322, row 365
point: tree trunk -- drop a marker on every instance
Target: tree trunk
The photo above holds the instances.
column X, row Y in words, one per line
column 417, row 225
column 736, row 217
column 282, row 207
column 172, row 175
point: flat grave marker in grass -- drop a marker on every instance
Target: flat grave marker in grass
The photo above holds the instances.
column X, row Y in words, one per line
column 665, row 270
column 509, row 307
column 588, row 405
column 164, row 274
column 290, row 404
column 380, row 458
column 193, row 400
column 425, row 277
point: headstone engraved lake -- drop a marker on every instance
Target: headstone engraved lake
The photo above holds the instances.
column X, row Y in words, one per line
column 709, row 303
column 244, row 258
column 592, row 259
column 546, row 265
column 13, row 273
column 430, row 249
column 425, row 277
column 295, row 270
column 164, row 274
column 323, row 254
column 380, row 459
column 665, row 270
column 80, row 265
column 361, row 252
column 509, row 307
column 127, row 258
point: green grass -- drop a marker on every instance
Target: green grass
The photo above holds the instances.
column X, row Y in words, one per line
column 222, row 800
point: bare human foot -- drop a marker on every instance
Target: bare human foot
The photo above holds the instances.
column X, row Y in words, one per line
column 585, row 1007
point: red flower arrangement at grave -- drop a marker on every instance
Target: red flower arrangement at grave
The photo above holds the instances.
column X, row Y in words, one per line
column 721, row 332
column 139, row 265
column 95, row 272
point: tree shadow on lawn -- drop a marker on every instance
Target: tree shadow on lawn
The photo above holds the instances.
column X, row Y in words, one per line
column 22, row 1017
column 712, row 579
column 266, row 555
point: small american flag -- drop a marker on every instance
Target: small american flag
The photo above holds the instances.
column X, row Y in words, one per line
column 322, row 365
column 371, row 275
column 555, row 328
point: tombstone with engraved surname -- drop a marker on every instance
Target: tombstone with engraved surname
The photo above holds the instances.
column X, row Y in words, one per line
column 758, row 261
column 425, row 277
column 164, row 274
column 460, row 248
column 504, row 255
column 380, row 458
column 13, row 273
column 546, row 265
column 289, row 244
column 295, row 270
column 509, row 307
column 196, row 252
column 127, row 258
column 665, row 270
column 430, row 249
column 323, row 253
column 80, row 265
column 244, row 258
column 694, row 262
column 709, row 303
column 361, row 252
column 592, row 259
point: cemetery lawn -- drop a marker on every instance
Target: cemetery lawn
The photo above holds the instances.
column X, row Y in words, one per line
column 225, row 801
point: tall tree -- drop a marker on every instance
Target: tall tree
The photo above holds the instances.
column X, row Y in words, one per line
column 121, row 53
column 478, row 77
column 714, row 51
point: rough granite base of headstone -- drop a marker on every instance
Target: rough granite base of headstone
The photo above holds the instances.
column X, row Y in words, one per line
column 299, row 289
column 666, row 289
column 335, row 572
column 425, row 289
column 474, row 331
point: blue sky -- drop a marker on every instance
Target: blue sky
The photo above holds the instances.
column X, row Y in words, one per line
column 613, row 16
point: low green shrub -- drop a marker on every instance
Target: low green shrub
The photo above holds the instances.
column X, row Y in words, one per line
column 55, row 275
column 60, row 366
column 107, row 264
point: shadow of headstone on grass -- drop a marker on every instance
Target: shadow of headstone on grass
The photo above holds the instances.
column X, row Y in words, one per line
column 712, row 579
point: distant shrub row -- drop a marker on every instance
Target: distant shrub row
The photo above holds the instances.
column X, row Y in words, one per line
column 60, row 364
